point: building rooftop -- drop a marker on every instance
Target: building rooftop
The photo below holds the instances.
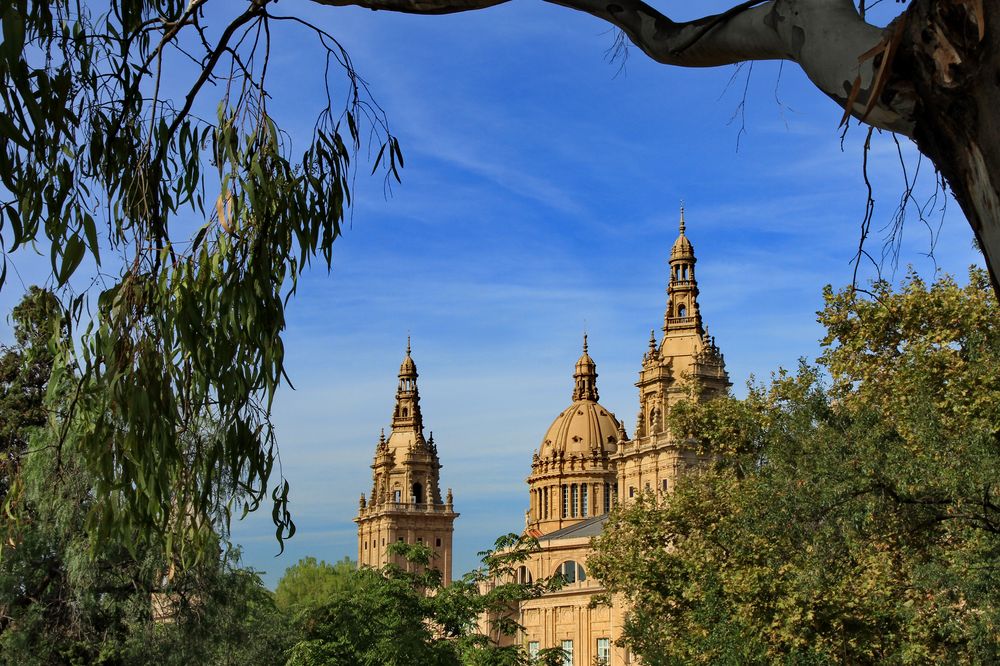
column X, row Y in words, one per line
column 590, row 527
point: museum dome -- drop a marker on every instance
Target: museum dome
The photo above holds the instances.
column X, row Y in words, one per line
column 585, row 426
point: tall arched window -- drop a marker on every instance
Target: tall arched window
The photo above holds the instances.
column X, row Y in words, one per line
column 574, row 502
column 571, row 572
column 523, row 575
column 418, row 493
column 681, row 312
column 565, row 501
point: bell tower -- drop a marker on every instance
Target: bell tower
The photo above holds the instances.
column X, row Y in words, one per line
column 686, row 359
column 405, row 503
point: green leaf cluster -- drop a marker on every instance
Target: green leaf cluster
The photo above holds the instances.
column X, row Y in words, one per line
column 850, row 514
column 66, row 598
column 187, row 232
column 402, row 614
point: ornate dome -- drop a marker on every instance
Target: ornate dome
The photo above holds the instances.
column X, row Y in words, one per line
column 582, row 428
column 585, row 426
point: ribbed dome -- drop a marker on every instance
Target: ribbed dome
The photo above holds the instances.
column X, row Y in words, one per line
column 580, row 429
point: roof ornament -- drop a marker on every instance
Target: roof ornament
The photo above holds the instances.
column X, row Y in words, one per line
column 682, row 217
column 584, row 341
column 407, row 344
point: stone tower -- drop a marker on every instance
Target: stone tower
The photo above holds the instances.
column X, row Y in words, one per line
column 686, row 360
column 572, row 476
column 405, row 502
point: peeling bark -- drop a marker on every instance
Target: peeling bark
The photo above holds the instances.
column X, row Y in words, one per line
column 933, row 75
column 950, row 59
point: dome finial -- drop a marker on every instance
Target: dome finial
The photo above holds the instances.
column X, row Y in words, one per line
column 682, row 217
column 407, row 344
column 584, row 341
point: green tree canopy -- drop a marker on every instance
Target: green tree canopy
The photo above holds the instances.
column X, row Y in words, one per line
column 311, row 582
column 851, row 515
column 67, row 598
column 403, row 615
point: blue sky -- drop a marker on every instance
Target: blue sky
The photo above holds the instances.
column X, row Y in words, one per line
column 540, row 197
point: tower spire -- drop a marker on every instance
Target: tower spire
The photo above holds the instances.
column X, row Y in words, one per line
column 585, row 376
column 407, row 416
column 682, row 290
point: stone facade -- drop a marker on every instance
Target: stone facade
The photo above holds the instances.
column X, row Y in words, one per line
column 406, row 502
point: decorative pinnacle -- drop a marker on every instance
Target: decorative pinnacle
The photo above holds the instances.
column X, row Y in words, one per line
column 584, row 343
column 682, row 217
column 652, row 340
column 407, row 344
column 381, row 437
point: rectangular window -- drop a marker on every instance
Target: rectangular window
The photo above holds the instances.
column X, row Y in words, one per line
column 664, row 484
column 437, row 542
column 565, row 498
column 584, row 504
column 533, row 649
column 397, row 496
column 604, row 651
column 567, row 648
column 607, row 497
column 545, row 498
column 631, row 491
column 574, row 502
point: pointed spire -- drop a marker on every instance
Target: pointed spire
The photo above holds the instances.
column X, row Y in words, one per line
column 407, row 412
column 585, row 376
column 652, row 341
column 682, row 218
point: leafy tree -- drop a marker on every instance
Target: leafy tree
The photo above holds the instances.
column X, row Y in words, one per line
column 848, row 520
column 24, row 374
column 104, row 165
column 404, row 615
column 311, row 582
column 66, row 598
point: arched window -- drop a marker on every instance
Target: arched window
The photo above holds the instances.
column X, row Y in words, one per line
column 397, row 496
column 523, row 575
column 406, row 412
column 681, row 312
column 418, row 493
column 571, row 572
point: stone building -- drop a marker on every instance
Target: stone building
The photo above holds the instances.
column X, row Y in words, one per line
column 406, row 502
column 585, row 464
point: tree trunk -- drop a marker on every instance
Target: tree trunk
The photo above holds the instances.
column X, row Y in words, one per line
column 949, row 60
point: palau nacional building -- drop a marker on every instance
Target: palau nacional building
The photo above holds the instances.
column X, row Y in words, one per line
column 585, row 464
